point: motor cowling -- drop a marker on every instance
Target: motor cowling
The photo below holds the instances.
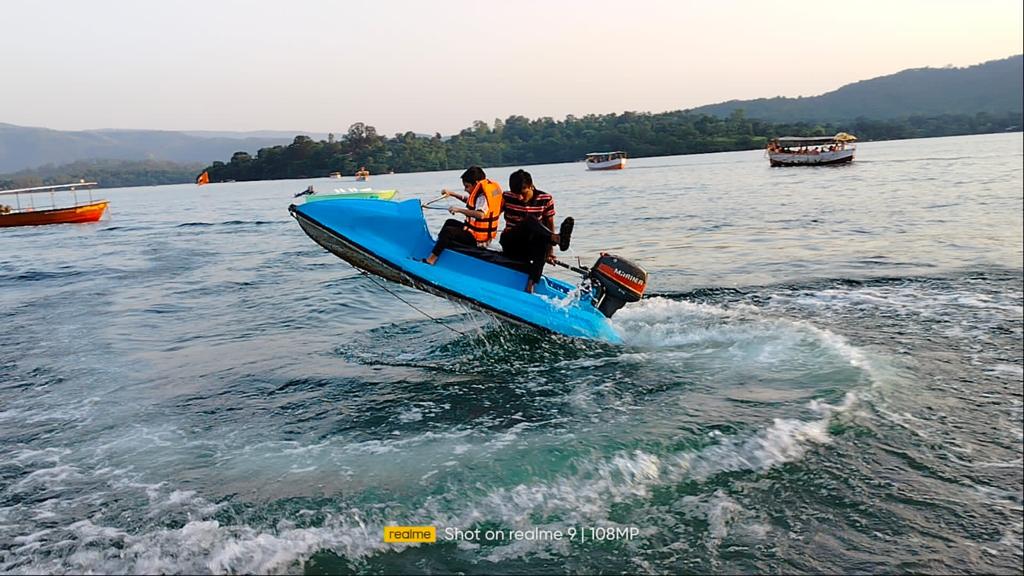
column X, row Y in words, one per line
column 617, row 281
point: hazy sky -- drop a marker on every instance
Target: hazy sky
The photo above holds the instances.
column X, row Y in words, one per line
column 435, row 66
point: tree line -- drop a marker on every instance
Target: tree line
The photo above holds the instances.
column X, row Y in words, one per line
column 518, row 141
column 514, row 141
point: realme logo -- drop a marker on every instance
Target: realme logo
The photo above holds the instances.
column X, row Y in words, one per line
column 395, row 534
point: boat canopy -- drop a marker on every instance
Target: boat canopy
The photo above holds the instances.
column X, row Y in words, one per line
column 619, row 152
column 53, row 188
column 791, row 141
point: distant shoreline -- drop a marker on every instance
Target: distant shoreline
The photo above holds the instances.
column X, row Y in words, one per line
column 187, row 174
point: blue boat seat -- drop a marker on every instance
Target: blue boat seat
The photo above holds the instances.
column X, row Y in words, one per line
column 492, row 256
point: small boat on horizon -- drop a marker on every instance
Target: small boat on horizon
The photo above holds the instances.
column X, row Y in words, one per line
column 335, row 175
column 812, row 151
column 362, row 175
column 606, row 160
column 31, row 215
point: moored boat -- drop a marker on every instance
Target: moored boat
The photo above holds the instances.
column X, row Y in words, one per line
column 335, row 175
column 27, row 213
column 606, row 160
column 389, row 239
column 362, row 175
column 812, row 151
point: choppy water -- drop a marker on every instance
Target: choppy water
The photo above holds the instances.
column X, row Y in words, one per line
column 826, row 378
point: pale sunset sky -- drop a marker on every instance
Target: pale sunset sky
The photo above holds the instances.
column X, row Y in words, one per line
column 319, row 65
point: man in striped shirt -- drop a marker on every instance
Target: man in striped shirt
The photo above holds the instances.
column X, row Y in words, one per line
column 529, row 221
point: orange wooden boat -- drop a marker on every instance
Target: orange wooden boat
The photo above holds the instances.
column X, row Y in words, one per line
column 33, row 215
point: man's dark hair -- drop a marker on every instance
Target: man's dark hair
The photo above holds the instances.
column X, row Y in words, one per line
column 473, row 174
column 518, row 180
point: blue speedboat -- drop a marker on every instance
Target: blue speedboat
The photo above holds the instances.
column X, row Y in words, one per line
column 389, row 239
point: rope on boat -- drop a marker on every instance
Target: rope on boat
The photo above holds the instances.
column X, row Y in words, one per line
column 385, row 288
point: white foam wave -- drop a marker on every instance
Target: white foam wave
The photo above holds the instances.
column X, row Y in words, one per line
column 206, row 546
column 583, row 497
column 946, row 306
column 1011, row 370
column 28, row 456
column 720, row 515
column 738, row 332
column 48, row 478
column 853, row 355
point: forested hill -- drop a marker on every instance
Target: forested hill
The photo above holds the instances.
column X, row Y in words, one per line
column 910, row 104
column 993, row 87
column 519, row 141
column 108, row 173
column 24, row 147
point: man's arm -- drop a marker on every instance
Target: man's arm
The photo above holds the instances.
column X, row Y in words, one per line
column 454, row 194
column 549, row 222
column 466, row 212
column 477, row 211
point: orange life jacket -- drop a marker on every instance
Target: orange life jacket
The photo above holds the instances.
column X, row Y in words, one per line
column 485, row 229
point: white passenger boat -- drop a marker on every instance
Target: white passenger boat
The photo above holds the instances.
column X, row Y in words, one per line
column 813, row 151
column 606, row 160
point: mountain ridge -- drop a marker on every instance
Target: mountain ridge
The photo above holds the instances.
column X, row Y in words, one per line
column 992, row 87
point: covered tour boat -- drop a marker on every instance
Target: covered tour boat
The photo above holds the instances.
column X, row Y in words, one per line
column 29, row 209
column 812, row 151
column 606, row 160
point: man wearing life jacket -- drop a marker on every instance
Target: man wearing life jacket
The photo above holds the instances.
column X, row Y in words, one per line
column 483, row 200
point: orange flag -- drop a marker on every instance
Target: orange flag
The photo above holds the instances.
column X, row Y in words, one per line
column 203, row 178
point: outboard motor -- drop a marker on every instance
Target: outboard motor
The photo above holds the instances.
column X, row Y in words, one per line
column 617, row 281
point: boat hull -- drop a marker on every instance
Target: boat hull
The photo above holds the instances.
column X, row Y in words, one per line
column 72, row 215
column 388, row 239
column 822, row 159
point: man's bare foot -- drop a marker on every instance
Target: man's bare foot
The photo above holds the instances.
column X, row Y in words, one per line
column 431, row 259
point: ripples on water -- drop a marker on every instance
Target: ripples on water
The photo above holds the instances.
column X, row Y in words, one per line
column 826, row 378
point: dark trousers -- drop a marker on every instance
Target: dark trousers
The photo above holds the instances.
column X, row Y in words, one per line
column 452, row 231
column 528, row 242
